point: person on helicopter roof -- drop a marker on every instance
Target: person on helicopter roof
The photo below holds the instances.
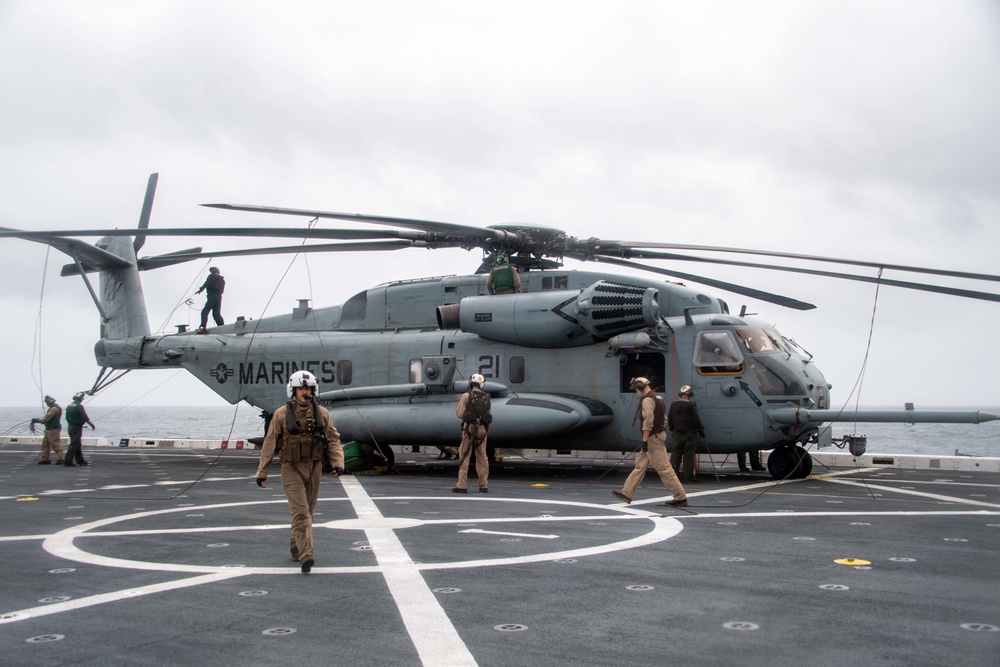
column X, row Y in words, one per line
column 301, row 432
column 476, row 414
column 53, row 429
column 503, row 278
column 216, row 285
column 653, row 449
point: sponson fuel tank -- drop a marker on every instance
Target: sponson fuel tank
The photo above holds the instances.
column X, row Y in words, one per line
column 565, row 318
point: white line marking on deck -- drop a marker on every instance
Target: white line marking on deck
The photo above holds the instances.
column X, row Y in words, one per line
column 497, row 532
column 432, row 632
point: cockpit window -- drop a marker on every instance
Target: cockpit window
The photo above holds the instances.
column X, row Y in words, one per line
column 758, row 341
column 774, row 379
column 717, row 352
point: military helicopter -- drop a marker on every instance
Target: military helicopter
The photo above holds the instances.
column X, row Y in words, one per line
column 558, row 357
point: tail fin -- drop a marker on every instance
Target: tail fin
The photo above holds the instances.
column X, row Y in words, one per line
column 122, row 302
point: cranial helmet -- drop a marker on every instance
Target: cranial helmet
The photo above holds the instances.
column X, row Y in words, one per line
column 213, row 269
column 49, row 400
column 302, row 379
column 78, row 396
column 686, row 390
column 638, row 383
column 502, row 258
column 477, row 380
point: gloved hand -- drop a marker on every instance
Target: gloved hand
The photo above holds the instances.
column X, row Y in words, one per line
column 34, row 421
column 262, row 482
column 338, row 471
column 93, row 428
column 198, row 292
column 645, row 447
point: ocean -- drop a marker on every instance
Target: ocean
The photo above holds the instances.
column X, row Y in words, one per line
column 245, row 422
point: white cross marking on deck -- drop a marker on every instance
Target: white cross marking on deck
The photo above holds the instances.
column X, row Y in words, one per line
column 432, row 632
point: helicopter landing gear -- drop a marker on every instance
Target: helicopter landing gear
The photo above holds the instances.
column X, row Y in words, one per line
column 789, row 462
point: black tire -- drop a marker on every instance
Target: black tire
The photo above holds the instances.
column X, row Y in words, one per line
column 387, row 454
column 789, row 462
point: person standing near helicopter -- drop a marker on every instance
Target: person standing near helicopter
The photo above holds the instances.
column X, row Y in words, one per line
column 53, row 429
column 653, row 449
column 76, row 417
column 301, row 432
column 476, row 414
column 685, row 428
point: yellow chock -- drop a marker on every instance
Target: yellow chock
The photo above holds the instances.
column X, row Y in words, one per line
column 852, row 561
column 539, row 485
column 26, row 499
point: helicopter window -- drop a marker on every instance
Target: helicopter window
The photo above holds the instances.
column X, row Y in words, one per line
column 774, row 379
column 717, row 353
column 345, row 372
column 547, row 282
column 757, row 341
column 515, row 370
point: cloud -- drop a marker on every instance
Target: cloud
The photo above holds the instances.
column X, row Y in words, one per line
column 844, row 129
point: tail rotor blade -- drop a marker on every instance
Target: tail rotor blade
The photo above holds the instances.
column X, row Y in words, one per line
column 147, row 208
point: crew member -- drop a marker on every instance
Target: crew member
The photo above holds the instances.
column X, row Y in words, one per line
column 755, row 464
column 76, row 417
column 653, row 449
column 685, row 427
column 216, row 285
column 301, row 432
column 475, row 412
column 53, row 431
column 503, row 278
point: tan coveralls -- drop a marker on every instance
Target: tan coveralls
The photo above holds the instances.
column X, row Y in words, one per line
column 469, row 433
column 301, row 470
column 52, row 438
column 656, row 454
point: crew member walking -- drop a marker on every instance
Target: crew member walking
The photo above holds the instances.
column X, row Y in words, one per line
column 76, row 417
column 654, row 448
column 216, row 285
column 300, row 432
column 685, row 427
column 53, row 431
column 475, row 412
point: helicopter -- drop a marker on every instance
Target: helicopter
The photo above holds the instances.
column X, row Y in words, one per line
column 558, row 357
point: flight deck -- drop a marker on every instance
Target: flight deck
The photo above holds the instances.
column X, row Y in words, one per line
column 154, row 556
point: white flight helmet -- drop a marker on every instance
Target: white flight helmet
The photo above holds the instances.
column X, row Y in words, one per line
column 686, row 390
column 477, row 379
column 302, row 379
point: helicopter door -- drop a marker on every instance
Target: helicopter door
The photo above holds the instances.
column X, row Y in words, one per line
column 650, row 365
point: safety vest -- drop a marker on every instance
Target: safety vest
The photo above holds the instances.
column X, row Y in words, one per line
column 54, row 422
column 502, row 277
column 659, row 414
column 73, row 414
column 303, row 442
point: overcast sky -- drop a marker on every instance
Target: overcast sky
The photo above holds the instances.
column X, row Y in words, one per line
column 851, row 129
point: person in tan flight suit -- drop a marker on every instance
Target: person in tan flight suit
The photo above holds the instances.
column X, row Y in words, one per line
column 652, row 411
column 476, row 414
column 301, row 432
column 53, row 430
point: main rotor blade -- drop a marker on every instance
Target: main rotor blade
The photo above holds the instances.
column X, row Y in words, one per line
column 811, row 258
column 778, row 299
column 175, row 258
column 147, row 208
column 250, row 232
column 478, row 233
column 923, row 287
